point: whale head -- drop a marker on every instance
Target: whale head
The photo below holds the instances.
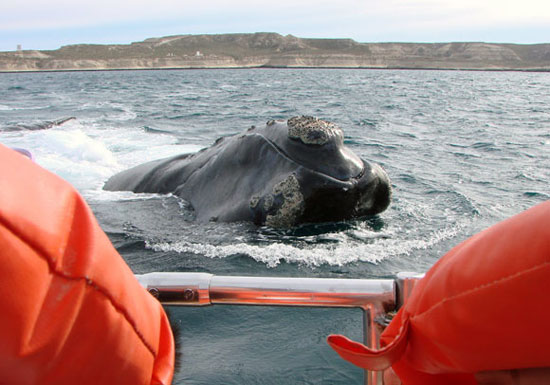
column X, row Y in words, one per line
column 328, row 182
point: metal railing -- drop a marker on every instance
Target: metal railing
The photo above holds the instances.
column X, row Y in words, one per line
column 375, row 297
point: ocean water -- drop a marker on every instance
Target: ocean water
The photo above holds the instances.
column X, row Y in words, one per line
column 464, row 150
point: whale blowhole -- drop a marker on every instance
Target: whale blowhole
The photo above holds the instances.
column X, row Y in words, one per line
column 313, row 131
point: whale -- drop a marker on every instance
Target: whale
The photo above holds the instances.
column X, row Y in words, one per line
column 282, row 174
column 38, row 126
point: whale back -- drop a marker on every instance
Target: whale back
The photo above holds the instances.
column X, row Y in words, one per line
column 281, row 174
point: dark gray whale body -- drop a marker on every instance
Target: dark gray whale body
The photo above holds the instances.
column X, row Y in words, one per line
column 38, row 126
column 280, row 175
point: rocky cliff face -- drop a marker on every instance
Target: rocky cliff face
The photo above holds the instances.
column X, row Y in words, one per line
column 274, row 50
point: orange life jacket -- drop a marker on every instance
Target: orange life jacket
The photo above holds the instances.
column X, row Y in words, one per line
column 485, row 305
column 71, row 310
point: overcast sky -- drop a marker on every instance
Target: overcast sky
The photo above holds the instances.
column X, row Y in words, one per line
column 41, row 24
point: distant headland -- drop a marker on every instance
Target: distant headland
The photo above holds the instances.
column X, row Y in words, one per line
column 272, row 50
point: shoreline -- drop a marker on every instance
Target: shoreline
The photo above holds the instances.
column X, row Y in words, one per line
column 540, row 70
column 271, row 50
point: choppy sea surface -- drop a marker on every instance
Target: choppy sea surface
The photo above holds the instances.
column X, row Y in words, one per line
column 464, row 150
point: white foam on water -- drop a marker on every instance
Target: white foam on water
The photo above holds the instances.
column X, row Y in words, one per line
column 87, row 154
column 3, row 107
column 135, row 146
column 144, row 153
column 344, row 252
column 78, row 147
column 121, row 112
column 112, row 111
column 100, row 195
column 68, row 152
column 76, row 157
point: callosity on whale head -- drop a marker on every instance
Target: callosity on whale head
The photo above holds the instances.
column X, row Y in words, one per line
column 281, row 175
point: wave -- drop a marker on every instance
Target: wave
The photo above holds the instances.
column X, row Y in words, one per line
column 273, row 254
column 344, row 251
column 110, row 110
column 100, row 195
column 152, row 130
column 535, row 194
column 70, row 153
column 3, row 107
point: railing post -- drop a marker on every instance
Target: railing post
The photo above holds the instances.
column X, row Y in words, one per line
column 371, row 338
column 405, row 283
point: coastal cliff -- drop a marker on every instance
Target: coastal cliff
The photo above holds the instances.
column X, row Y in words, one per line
column 274, row 50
